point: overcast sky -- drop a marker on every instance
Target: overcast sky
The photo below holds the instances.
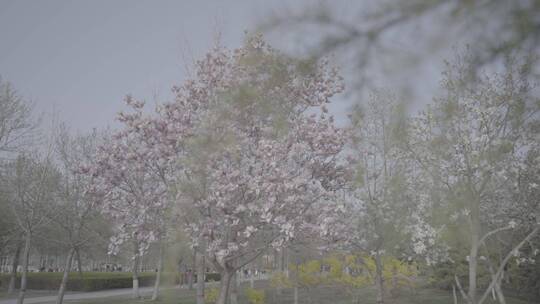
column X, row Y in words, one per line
column 80, row 58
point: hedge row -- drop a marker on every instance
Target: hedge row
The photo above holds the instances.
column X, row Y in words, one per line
column 170, row 278
column 88, row 282
column 93, row 281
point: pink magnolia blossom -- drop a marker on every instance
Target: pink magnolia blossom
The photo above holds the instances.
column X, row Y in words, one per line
column 252, row 161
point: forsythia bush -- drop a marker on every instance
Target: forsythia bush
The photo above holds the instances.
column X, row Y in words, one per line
column 353, row 272
column 399, row 274
column 347, row 270
column 279, row 279
column 211, row 295
column 309, row 274
column 255, row 296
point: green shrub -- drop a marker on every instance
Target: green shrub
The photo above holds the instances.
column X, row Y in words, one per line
column 90, row 281
column 211, row 295
column 212, row 277
column 174, row 278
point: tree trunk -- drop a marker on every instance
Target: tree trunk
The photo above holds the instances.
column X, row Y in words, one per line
column 199, row 261
column 226, row 276
column 190, row 279
column 497, row 288
column 192, row 269
column 26, row 257
column 504, row 262
column 281, row 267
column 473, row 267
column 296, row 281
column 379, row 280
column 135, row 276
column 234, row 289
column 473, row 254
column 63, row 285
column 14, row 267
column 158, row 274
column 500, row 294
column 135, row 272
column 395, row 288
column 79, row 262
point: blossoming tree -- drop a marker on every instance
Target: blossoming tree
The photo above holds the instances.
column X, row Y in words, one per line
column 382, row 213
column 476, row 144
column 255, row 162
column 129, row 180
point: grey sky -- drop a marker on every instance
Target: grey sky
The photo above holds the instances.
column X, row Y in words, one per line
column 80, row 58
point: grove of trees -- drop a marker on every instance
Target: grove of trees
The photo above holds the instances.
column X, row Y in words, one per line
column 246, row 161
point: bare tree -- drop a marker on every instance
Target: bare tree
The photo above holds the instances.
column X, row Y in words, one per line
column 16, row 129
column 75, row 203
column 30, row 182
column 16, row 123
column 10, row 238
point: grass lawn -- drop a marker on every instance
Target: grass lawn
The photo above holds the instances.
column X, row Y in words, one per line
column 322, row 295
column 29, row 293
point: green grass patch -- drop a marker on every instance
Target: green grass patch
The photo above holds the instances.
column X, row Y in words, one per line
column 320, row 295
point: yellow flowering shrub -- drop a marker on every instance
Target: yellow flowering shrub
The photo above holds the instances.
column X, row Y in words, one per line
column 211, row 295
column 255, row 296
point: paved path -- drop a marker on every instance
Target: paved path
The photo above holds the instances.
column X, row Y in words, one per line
column 80, row 296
